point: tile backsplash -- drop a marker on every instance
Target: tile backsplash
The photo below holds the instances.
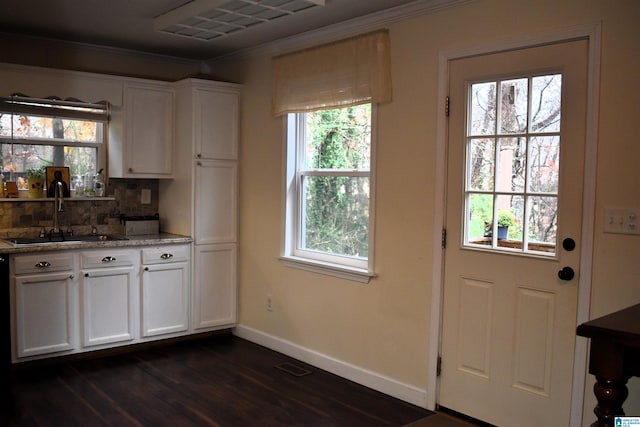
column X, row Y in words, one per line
column 26, row 218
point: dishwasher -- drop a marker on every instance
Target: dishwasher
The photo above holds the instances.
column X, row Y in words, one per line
column 5, row 347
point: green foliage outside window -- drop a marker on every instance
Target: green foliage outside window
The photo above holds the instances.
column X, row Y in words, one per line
column 336, row 211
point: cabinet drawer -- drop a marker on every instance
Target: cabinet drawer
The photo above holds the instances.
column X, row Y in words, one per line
column 44, row 262
column 106, row 258
column 165, row 254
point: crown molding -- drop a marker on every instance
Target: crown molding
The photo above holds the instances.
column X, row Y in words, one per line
column 340, row 30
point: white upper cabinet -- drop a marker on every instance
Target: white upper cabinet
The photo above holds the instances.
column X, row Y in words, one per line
column 203, row 190
column 216, row 124
column 141, row 132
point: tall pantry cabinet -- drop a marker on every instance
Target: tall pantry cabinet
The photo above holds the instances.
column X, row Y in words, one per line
column 202, row 199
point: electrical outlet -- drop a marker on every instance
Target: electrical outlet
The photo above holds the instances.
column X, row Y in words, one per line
column 269, row 302
column 622, row 220
column 145, row 196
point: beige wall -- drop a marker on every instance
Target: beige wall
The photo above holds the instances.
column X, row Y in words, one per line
column 384, row 326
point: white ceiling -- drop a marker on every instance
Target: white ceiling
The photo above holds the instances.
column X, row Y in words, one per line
column 129, row 24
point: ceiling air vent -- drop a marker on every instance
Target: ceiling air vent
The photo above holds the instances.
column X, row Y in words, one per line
column 211, row 19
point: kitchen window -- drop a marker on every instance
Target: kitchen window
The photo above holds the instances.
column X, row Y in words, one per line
column 36, row 133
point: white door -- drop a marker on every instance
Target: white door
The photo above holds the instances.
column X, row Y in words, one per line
column 108, row 305
column 216, row 124
column 214, row 297
column 149, row 128
column 216, row 201
column 515, row 155
column 44, row 313
column 165, row 293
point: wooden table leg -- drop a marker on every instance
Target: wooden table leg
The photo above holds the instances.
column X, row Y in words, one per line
column 610, row 395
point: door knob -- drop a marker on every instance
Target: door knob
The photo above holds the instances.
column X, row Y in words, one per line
column 568, row 244
column 566, row 273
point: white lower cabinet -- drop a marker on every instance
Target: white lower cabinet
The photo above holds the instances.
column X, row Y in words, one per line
column 43, row 291
column 164, row 290
column 44, row 315
column 73, row 301
column 108, row 286
column 214, row 286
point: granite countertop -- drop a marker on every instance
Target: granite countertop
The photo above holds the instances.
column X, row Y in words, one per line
column 6, row 247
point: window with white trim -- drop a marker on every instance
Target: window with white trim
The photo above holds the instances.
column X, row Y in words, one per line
column 329, row 221
column 328, row 95
column 36, row 133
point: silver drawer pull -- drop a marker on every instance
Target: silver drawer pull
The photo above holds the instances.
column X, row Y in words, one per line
column 43, row 264
column 166, row 256
column 108, row 259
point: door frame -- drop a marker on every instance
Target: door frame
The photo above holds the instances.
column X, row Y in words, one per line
column 591, row 33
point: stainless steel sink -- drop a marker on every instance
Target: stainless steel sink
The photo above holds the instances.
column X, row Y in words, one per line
column 99, row 237
column 19, row 241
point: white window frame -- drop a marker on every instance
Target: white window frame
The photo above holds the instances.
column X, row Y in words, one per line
column 360, row 270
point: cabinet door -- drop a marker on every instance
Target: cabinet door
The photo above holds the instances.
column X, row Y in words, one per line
column 216, row 202
column 108, row 305
column 44, row 313
column 216, row 124
column 214, row 293
column 148, row 128
column 165, row 302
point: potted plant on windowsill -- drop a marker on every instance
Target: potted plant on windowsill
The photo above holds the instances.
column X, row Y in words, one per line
column 35, row 182
column 505, row 220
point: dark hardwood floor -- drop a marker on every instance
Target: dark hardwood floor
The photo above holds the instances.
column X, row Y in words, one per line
column 216, row 381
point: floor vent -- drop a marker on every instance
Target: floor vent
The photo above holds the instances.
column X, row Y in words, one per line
column 293, row 369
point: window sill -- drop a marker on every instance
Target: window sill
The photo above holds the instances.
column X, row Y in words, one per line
column 335, row 270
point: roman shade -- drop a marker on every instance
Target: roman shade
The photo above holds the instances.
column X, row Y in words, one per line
column 339, row 74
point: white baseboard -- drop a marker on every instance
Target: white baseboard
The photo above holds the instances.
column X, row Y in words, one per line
column 343, row 369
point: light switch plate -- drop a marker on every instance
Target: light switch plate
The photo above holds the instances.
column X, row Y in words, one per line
column 145, row 196
column 622, row 220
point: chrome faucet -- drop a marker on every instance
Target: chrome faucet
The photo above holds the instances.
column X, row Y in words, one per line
column 57, row 206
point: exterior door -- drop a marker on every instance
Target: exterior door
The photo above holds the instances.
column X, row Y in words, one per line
column 515, row 158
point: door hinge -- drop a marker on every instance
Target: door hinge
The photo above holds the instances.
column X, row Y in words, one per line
column 444, row 238
column 446, row 106
column 439, row 366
